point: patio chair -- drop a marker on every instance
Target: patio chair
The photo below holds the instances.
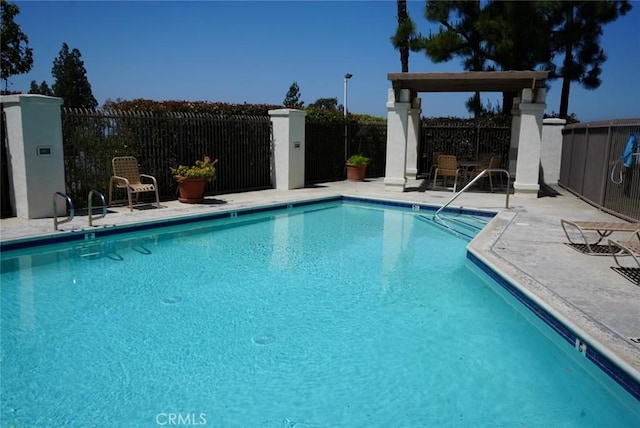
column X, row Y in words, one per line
column 624, row 248
column 447, row 167
column 434, row 163
column 603, row 229
column 492, row 162
column 126, row 176
column 485, row 157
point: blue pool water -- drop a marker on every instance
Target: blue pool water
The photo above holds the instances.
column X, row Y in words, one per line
column 334, row 314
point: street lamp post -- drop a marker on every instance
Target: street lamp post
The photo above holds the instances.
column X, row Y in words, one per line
column 344, row 109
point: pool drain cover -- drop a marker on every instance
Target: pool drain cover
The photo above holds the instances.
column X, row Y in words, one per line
column 172, row 300
column 264, row 339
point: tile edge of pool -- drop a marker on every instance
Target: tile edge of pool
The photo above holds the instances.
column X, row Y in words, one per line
column 588, row 338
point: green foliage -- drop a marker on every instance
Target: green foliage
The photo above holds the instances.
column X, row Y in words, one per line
column 405, row 38
column 474, row 105
column 323, row 115
column 358, row 159
column 366, row 118
column 498, row 120
column 42, row 89
column 202, row 169
column 88, row 150
column 292, row 99
column 325, row 103
column 523, row 35
column 71, row 83
column 571, row 118
column 16, row 57
column 314, row 114
column 577, row 27
column 198, row 107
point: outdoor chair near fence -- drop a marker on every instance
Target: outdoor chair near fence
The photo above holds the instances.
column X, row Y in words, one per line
column 127, row 176
column 434, row 163
column 485, row 157
column 447, row 167
column 492, row 162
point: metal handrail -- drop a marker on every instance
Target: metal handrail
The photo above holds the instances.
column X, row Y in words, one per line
column 478, row 177
column 104, row 206
column 55, row 210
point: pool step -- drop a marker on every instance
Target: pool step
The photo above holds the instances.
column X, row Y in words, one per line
column 89, row 249
column 466, row 226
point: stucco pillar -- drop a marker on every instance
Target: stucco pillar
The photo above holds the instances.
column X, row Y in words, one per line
column 532, row 105
column 413, row 137
column 515, row 131
column 397, row 130
column 36, row 157
column 287, row 170
column 551, row 149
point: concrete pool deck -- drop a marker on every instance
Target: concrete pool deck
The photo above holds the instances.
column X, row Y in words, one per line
column 525, row 243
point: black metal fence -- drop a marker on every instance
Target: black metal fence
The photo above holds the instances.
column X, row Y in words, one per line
column 326, row 152
column 242, row 144
column 591, row 166
column 92, row 138
column 466, row 140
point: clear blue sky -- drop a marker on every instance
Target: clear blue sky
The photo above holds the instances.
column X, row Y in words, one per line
column 244, row 51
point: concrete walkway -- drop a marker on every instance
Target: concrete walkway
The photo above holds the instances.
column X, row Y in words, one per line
column 524, row 242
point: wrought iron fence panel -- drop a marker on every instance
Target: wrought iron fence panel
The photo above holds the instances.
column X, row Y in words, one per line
column 92, row 138
column 324, row 152
column 370, row 140
column 466, row 140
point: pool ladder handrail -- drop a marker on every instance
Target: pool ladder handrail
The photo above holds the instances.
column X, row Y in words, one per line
column 90, row 204
column 55, row 210
column 469, row 184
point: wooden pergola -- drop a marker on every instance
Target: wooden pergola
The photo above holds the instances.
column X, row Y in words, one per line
column 404, row 108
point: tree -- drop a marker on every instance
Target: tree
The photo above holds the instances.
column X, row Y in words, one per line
column 459, row 38
column 325, row 104
column 524, row 35
column 71, row 83
column 405, row 38
column 292, row 99
column 576, row 35
column 42, row 89
column 489, row 36
column 16, row 55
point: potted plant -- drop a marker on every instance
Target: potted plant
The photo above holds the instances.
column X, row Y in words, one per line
column 193, row 179
column 357, row 167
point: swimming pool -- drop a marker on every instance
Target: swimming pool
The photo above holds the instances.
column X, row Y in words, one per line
column 336, row 313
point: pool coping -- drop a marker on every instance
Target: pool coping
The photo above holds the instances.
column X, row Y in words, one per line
column 568, row 321
column 588, row 336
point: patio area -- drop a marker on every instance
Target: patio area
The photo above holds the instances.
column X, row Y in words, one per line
column 525, row 243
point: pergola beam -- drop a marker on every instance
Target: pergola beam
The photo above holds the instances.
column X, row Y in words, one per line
column 470, row 81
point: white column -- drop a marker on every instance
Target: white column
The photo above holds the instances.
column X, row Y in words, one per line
column 515, row 131
column 397, row 127
column 36, row 158
column 551, row 149
column 287, row 170
column 532, row 107
column 413, row 137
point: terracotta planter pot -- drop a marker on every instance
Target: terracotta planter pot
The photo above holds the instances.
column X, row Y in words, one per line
column 191, row 190
column 356, row 172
